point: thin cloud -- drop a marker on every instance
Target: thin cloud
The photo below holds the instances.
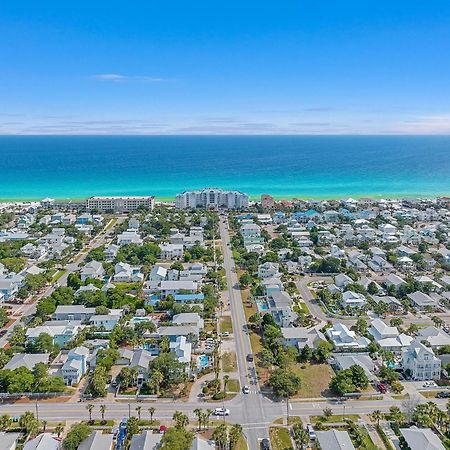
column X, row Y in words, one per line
column 118, row 78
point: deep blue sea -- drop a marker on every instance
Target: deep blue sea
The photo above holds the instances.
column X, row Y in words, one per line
column 284, row 166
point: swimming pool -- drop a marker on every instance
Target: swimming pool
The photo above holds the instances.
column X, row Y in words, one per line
column 262, row 305
column 203, row 361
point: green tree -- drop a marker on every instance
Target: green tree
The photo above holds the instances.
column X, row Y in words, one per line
column 301, row 436
column 75, row 436
column 5, row 422
column 90, row 408
column 220, row 435
column 132, row 427
column 29, row 423
column 151, row 411
column 181, row 420
column 376, row 416
column 102, row 412
column 176, row 439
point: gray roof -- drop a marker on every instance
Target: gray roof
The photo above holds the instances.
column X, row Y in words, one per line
column 45, row 441
column 145, row 441
column 141, row 358
column 97, row 441
column 202, row 444
column 334, row 440
column 7, row 440
column 421, row 439
column 27, row 360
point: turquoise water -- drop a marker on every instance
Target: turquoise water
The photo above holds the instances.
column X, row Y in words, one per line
column 284, row 166
column 203, row 361
column 262, row 305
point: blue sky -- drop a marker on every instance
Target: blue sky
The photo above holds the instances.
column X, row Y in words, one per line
column 234, row 67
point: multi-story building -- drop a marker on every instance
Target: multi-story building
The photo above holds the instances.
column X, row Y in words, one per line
column 267, row 201
column 120, row 204
column 421, row 362
column 212, row 198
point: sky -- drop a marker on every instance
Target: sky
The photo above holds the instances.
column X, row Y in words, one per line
column 225, row 67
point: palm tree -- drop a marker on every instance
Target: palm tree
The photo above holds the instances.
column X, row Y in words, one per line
column 376, row 416
column 151, row 411
column 199, row 414
column 208, row 414
column 180, row 419
column 90, row 407
column 235, row 434
column 226, row 378
column 5, row 422
column 327, row 412
column 220, row 435
column 102, row 412
column 301, row 436
column 138, row 410
column 44, row 425
column 59, row 429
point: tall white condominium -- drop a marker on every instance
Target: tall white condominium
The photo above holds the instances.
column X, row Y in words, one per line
column 120, row 204
column 212, row 198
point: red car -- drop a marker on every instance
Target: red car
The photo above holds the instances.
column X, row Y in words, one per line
column 382, row 388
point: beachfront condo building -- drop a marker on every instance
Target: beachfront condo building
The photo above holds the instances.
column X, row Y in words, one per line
column 212, row 198
column 120, row 204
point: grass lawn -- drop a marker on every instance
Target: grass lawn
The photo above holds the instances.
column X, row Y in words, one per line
column 242, row 444
column 225, row 325
column 429, row 394
column 58, row 275
column 233, row 386
column 315, row 379
column 229, row 362
column 255, row 340
column 302, row 307
column 292, row 420
column 334, row 418
column 280, row 438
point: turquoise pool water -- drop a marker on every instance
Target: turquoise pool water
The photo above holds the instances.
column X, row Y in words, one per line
column 203, row 361
column 262, row 305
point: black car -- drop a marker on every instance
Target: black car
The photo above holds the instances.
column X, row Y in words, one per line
column 265, row 444
column 443, row 394
column 250, row 357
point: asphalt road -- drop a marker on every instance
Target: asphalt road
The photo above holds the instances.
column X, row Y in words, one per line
column 252, row 409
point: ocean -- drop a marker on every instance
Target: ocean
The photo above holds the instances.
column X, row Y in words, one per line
column 33, row 167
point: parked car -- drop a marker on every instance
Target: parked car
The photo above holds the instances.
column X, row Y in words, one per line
column 429, row 384
column 382, row 388
column 250, row 357
column 221, row 412
column 265, row 444
column 311, row 432
column 246, row 390
column 443, row 394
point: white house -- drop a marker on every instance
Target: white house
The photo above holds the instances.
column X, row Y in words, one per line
column 268, row 270
column 435, row 337
column 171, row 251
column 389, row 337
column 353, row 299
column 421, row 362
column 342, row 337
column 182, row 349
column 93, row 269
column 129, row 237
column 125, row 273
column 342, row 280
